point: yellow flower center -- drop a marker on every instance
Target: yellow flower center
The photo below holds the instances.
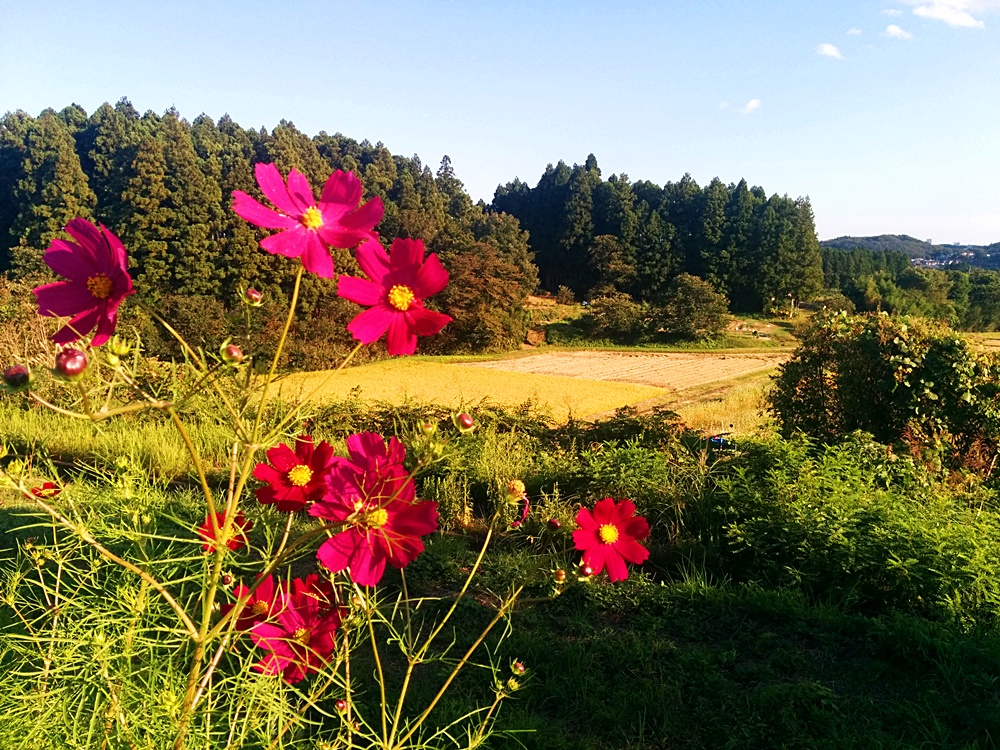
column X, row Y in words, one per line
column 401, row 297
column 99, row 286
column 312, row 218
column 261, row 608
column 608, row 533
column 376, row 518
column 302, row 636
column 300, row 475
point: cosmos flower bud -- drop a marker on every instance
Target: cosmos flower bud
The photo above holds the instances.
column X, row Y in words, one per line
column 71, row 364
column 341, row 705
column 464, row 422
column 553, row 524
column 231, row 354
column 253, row 298
column 559, row 576
column 16, row 378
column 518, row 668
column 427, row 427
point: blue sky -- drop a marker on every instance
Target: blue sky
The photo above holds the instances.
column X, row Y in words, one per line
column 885, row 113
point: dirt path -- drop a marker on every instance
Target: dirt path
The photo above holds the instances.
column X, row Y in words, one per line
column 676, row 371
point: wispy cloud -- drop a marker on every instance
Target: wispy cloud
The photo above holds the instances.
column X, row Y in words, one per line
column 952, row 13
column 751, row 106
column 853, row 31
column 955, row 13
column 894, row 12
column 894, row 32
column 829, row 50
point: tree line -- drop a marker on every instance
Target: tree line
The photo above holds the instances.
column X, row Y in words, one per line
column 165, row 186
column 599, row 236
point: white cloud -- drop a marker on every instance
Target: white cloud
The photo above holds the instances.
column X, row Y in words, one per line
column 829, row 50
column 952, row 13
column 751, row 106
column 894, row 12
column 955, row 13
column 853, row 31
column 894, row 32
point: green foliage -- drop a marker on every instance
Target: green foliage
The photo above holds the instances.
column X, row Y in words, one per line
column 691, row 309
column 615, row 316
column 901, row 380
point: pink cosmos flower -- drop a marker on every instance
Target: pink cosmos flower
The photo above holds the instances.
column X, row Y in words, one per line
column 96, row 269
column 310, row 227
column 375, row 497
column 294, row 478
column 301, row 637
column 609, row 536
column 262, row 604
column 239, row 531
column 399, row 283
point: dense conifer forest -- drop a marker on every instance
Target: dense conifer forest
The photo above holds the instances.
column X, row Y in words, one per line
column 165, row 186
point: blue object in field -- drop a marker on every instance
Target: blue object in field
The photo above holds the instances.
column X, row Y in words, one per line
column 720, row 441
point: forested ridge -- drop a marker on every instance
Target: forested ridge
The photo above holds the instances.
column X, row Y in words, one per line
column 165, row 186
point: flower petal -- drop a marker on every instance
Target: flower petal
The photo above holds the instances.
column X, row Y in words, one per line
column 405, row 257
column 70, row 263
column 366, row 217
column 431, row 278
column 251, row 210
column 282, row 458
column 274, row 188
column 613, row 563
column 291, row 243
column 632, row 551
column 342, row 188
column 316, row 258
column 77, row 327
column 300, row 191
column 402, row 338
column 63, row 299
column 371, row 324
column 360, row 291
column 428, row 322
column 373, row 259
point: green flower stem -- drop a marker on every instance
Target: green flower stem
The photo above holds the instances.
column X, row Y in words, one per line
column 270, row 568
column 193, row 452
column 378, row 668
column 486, row 720
column 298, row 408
column 277, row 353
column 85, row 535
column 414, row 660
column 501, row 613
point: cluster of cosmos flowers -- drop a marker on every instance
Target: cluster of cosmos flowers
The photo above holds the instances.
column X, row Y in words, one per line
column 368, row 499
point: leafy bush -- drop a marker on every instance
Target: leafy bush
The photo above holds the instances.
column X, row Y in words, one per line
column 616, row 316
column 691, row 309
column 900, row 379
column 858, row 526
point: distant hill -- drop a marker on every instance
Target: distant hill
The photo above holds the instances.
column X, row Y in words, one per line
column 915, row 248
column 901, row 243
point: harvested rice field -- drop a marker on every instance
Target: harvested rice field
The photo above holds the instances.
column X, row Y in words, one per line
column 581, row 384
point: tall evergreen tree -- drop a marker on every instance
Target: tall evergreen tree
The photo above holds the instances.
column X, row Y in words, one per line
column 51, row 190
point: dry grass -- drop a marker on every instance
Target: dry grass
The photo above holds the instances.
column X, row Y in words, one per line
column 738, row 406
column 439, row 382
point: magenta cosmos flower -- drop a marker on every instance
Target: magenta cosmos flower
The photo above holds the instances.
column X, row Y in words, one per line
column 294, row 478
column 310, row 227
column 301, row 636
column 263, row 603
column 96, row 269
column 238, row 532
column 374, row 496
column 609, row 536
column 399, row 283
